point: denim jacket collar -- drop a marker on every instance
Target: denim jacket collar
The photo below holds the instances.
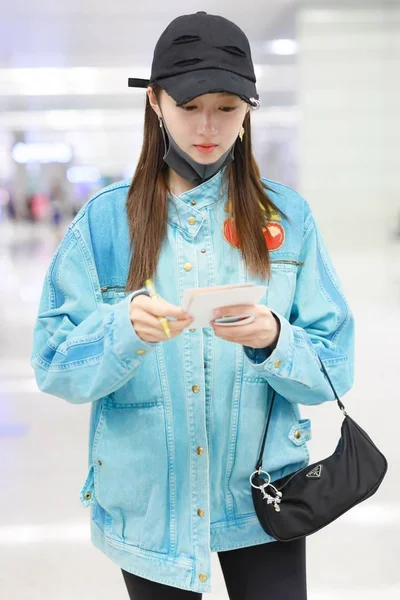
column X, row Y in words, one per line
column 186, row 211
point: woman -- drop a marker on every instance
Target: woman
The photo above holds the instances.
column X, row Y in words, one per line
column 176, row 424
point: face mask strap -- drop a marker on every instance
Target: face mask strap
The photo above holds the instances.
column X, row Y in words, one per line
column 161, row 124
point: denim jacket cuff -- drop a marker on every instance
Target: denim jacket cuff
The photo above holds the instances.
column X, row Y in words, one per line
column 277, row 361
column 128, row 345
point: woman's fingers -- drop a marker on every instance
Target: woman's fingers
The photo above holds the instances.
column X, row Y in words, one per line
column 148, row 327
column 158, row 307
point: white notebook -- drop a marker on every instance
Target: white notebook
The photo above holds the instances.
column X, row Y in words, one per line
column 200, row 302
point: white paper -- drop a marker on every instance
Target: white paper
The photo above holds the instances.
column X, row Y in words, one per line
column 201, row 306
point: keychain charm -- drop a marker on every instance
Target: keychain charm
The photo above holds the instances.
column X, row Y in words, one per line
column 275, row 500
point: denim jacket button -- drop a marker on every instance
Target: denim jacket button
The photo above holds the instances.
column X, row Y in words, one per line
column 192, row 221
column 192, row 330
column 88, row 495
column 277, row 363
column 193, row 202
column 140, row 352
column 203, row 577
column 187, row 267
column 201, row 512
column 297, row 434
column 195, row 389
column 200, row 450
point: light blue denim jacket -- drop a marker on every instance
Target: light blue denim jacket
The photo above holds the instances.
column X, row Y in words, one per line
column 176, row 426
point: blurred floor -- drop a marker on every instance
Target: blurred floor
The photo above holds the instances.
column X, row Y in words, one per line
column 45, row 551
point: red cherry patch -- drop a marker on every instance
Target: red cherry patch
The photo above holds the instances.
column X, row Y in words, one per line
column 274, row 234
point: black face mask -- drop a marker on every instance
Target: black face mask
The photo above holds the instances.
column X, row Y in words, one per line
column 186, row 166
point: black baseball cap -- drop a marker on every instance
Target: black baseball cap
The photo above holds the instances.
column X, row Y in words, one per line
column 200, row 54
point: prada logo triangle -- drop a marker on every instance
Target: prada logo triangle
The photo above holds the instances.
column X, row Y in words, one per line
column 315, row 472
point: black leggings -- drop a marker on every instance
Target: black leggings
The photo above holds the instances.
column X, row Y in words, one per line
column 273, row 570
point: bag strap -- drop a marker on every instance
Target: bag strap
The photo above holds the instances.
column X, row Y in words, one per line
column 339, row 402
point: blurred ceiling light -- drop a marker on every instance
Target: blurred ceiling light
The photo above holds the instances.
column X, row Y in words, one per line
column 41, row 153
column 83, row 174
column 69, row 119
column 282, row 47
column 61, row 81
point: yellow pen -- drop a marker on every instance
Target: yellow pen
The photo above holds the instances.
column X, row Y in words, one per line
column 153, row 294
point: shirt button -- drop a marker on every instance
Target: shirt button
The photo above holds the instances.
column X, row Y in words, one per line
column 203, row 250
column 195, row 389
column 140, row 352
column 203, row 577
column 193, row 202
column 200, row 450
column 191, row 220
column 201, row 512
column 297, row 434
column 277, row 364
column 187, row 267
column 192, row 330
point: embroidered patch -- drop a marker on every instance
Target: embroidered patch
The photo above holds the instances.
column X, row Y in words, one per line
column 230, row 234
column 274, row 235
column 274, row 215
column 274, row 232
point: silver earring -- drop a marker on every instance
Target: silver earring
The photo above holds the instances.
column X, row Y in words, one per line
column 160, row 122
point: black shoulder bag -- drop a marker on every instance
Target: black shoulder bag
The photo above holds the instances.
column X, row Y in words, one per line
column 303, row 502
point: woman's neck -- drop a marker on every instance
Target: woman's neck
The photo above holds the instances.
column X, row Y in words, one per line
column 177, row 185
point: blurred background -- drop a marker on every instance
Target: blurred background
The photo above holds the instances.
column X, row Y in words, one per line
column 328, row 75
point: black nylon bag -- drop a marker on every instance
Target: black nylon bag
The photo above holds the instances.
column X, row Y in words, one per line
column 303, row 502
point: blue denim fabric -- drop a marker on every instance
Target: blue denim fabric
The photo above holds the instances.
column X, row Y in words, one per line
column 147, row 478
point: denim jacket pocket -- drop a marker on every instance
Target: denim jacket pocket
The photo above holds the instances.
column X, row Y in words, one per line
column 113, row 294
column 87, row 494
column 132, row 469
column 300, row 433
column 144, row 389
column 286, row 264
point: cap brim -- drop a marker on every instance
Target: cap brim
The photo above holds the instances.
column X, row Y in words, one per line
column 187, row 86
column 138, row 83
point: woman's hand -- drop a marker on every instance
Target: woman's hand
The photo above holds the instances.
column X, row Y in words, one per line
column 263, row 332
column 144, row 313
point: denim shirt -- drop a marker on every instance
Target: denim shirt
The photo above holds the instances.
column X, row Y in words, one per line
column 176, row 426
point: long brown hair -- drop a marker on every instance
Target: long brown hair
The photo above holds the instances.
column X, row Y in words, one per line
column 147, row 205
